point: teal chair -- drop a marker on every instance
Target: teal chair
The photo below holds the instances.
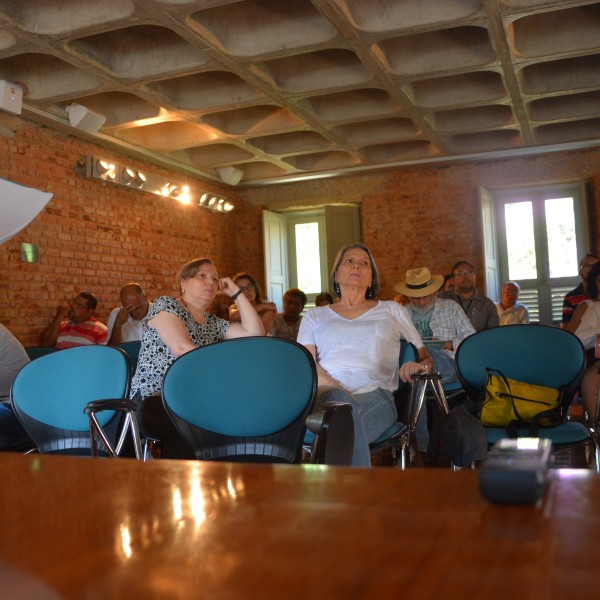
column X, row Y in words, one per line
column 536, row 354
column 37, row 351
column 132, row 349
column 51, row 394
column 243, row 400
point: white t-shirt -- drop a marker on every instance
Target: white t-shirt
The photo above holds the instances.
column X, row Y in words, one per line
column 590, row 325
column 362, row 353
column 131, row 330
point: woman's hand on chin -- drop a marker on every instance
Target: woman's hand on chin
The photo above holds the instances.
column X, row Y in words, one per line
column 227, row 286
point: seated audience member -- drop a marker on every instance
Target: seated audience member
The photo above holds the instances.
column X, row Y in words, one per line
column 266, row 310
column 76, row 326
column 579, row 294
column 587, row 331
column 323, row 299
column 479, row 308
column 448, row 284
column 511, row 312
column 356, row 344
column 442, row 324
column 287, row 323
column 125, row 323
column 573, row 324
column 12, row 358
column 220, row 306
column 175, row 326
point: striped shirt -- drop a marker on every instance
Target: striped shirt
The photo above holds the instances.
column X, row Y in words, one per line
column 88, row 333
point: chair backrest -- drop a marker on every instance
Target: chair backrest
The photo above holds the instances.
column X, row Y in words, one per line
column 49, row 394
column 242, row 399
column 132, row 349
column 408, row 353
column 536, row 354
column 37, row 351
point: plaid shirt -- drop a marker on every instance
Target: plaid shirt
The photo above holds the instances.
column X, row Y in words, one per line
column 448, row 322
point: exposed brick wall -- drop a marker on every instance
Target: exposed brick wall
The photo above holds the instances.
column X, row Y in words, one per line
column 97, row 236
column 431, row 216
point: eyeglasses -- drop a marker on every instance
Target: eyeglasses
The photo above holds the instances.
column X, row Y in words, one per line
column 245, row 288
column 464, row 273
column 586, row 267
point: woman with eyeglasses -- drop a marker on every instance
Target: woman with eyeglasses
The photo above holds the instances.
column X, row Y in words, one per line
column 174, row 326
column 356, row 344
column 266, row 310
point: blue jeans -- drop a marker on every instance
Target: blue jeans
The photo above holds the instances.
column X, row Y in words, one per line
column 444, row 365
column 12, row 434
column 372, row 413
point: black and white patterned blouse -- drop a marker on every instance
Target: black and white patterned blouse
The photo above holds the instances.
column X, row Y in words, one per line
column 156, row 357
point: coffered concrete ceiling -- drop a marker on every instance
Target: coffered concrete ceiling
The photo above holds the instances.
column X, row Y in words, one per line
column 283, row 90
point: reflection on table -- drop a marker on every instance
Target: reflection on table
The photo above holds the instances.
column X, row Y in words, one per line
column 101, row 528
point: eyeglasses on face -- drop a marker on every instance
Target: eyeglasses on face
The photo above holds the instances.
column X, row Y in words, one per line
column 464, row 273
column 245, row 288
column 77, row 304
column 586, row 267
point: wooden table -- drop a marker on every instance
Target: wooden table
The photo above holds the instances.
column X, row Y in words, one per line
column 84, row 529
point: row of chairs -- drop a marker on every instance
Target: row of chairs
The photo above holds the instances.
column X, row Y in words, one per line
column 75, row 402
column 248, row 406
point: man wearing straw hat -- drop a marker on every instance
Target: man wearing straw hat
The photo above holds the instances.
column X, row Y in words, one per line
column 443, row 324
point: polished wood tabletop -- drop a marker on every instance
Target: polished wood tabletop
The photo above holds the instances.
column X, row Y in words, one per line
column 77, row 528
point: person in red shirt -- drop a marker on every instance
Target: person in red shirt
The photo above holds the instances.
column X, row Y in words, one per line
column 76, row 325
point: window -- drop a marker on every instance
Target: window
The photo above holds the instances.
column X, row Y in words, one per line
column 540, row 234
column 300, row 248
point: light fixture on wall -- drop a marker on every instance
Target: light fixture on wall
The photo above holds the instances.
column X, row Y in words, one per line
column 124, row 175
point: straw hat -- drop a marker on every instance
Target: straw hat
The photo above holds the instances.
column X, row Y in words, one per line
column 419, row 282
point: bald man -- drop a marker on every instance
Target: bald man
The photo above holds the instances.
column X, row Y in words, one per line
column 125, row 322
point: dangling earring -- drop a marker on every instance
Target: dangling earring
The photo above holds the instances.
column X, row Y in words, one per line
column 336, row 289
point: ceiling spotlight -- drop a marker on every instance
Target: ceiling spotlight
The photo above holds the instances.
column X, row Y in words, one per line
column 167, row 189
column 212, row 201
column 228, row 207
column 103, row 167
column 128, row 175
column 139, row 180
column 203, row 199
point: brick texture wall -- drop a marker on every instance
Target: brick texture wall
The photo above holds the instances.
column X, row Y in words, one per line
column 93, row 235
column 431, row 216
column 97, row 236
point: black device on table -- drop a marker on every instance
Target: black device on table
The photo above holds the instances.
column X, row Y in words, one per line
column 515, row 471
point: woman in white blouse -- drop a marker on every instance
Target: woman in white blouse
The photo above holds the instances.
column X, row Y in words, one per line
column 587, row 331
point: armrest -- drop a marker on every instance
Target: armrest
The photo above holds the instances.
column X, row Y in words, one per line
column 109, row 404
column 334, row 429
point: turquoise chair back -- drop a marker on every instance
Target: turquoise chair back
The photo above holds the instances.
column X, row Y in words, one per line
column 247, row 388
column 536, row 354
column 50, row 393
column 132, row 349
column 37, row 351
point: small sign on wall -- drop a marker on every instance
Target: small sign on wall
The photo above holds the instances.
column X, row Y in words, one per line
column 30, row 252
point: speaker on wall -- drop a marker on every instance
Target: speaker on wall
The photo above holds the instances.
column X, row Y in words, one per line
column 230, row 175
column 85, row 119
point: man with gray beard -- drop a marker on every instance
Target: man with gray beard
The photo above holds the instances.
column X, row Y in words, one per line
column 442, row 324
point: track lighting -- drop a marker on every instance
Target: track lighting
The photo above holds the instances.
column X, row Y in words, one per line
column 124, row 175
